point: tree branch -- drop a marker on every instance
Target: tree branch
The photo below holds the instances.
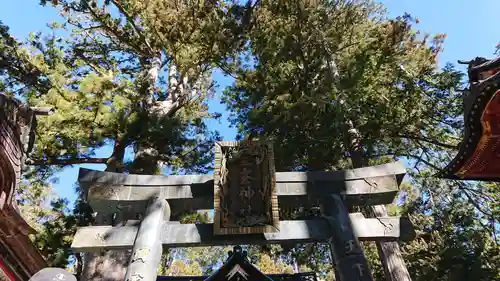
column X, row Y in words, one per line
column 43, row 111
column 418, row 138
column 112, row 32
column 65, row 162
column 420, row 159
column 130, row 19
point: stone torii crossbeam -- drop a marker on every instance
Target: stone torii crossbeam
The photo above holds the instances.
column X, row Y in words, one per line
column 164, row 198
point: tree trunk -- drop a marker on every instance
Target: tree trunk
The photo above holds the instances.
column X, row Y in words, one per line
column 115, row 162
column 146, row 157
column 389, row 252
column 295, row 264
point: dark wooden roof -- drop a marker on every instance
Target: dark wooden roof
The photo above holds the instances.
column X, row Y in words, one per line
column 238, row 268
column 306, row 276
column 478, row 153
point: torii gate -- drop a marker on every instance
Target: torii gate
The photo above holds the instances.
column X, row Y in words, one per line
column 245, row 193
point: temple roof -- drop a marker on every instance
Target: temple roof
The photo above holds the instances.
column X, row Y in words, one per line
column 238, row 268
column 479, row 152
column 307, row 276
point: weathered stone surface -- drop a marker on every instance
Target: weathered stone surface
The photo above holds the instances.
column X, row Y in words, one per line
column 373, row 185
column 105, row 265
column 347, row 254
column 147, row 250
column 108, row 265
column 96, row 238
column 384, row 186
column 395, row 168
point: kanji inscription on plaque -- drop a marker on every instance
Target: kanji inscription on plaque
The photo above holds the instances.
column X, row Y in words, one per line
column 245, row 198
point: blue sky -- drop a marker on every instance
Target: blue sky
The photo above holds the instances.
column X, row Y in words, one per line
column 469, row 25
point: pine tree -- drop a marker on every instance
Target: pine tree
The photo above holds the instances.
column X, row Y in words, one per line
column 338, row 84
column 124, row 75
column 136, row 75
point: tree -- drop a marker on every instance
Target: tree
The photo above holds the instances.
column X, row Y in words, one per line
column 34, row 200
column 455, row 241
column 338, row 84
column 293, row 95
column 308, row 74
column 184, row 268
column 268, row 266
column 122, row 75
column 116, row 94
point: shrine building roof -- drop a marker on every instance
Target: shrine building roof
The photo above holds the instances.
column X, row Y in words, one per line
column 238, row 268
column 479, row 152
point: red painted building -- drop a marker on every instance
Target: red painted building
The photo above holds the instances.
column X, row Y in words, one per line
column 19, row 258
column 479, row 153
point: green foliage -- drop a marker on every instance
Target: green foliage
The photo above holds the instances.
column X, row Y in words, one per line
column 137, row 76
column 54, row 221
column 268, row 266
column 456, row 240
column 127, row 75
column 317, row 65
column 313, row 68
column 122, row 75
column 184, row 268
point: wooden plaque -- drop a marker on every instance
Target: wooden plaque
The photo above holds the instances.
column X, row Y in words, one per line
column 245, row 199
